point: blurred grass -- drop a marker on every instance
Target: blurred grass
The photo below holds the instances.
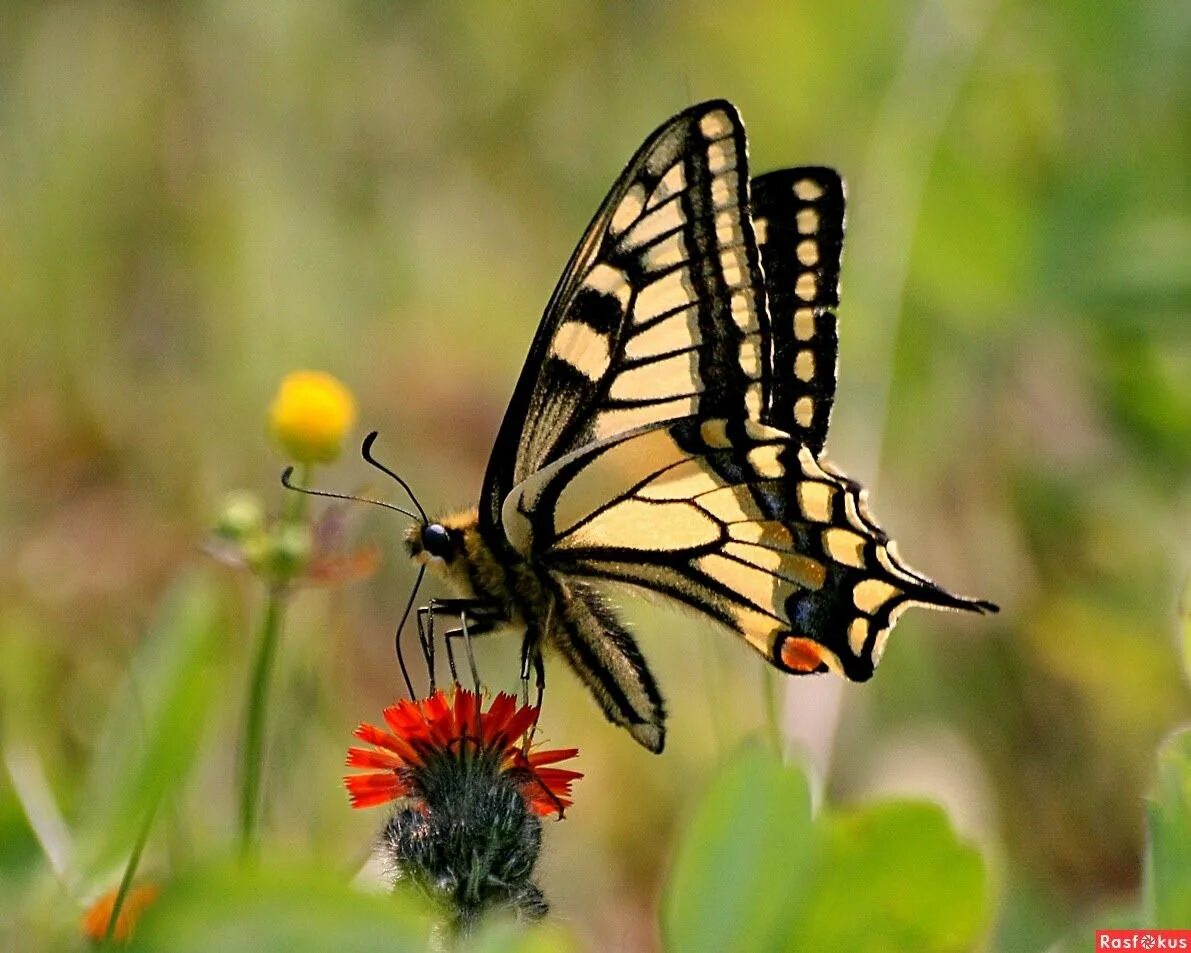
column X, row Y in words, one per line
column 196, row 198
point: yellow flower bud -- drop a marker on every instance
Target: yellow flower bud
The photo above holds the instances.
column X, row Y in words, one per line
column 310, row 416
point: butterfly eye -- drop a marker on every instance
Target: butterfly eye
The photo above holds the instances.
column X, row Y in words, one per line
column 436, row 540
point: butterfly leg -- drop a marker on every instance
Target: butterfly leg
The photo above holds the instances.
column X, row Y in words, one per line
column 460, row 608
column 526, row 646
column 539, row 667
column 427, row 643
column 466, row 630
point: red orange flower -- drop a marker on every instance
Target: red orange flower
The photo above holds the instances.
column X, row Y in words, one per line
column 99, row 914
column 455, row 730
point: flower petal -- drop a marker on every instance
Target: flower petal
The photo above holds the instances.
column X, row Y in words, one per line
column 551, row 756
column 382, row 739
column 367, row 790
column 372, row 758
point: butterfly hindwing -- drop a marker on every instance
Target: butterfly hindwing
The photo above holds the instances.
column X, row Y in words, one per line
column 734, row 519
column 659, row 315
column 798, row 218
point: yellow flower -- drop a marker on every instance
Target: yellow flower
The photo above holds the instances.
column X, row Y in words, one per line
column 310, row 416
column 95, row 921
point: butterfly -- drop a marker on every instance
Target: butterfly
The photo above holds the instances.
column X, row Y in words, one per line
column 666, row 435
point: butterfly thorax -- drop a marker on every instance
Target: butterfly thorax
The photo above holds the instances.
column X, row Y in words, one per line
column 516, row 589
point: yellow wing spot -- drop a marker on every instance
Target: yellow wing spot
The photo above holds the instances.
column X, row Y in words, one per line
column 609, row 281
column 806, row 286
column 879, row 644
column 768, row 559
column 804, row 365
column 683, row 482
column 666, row 253
column 767, row 533
column 629, row 209
column 746, row 582
column 757, row 629
column 653, row 224
column 761, row 230
column 804, row 411
column 870, row 594
column 583, row 348
column 764, row 460
column 734, row 264
column 659, row 527
column 810, row 572
column 811, row 468
column 752, row 401
column 750, row 358
column 852, row 511
column 612, row 422
column 724, row 190
column 804, row 324
column 715, row 434
column 744, row 314
column 808, row 190
column 668, row 293
column 676, row 333
column 857, row 635
column 657, row 380
column 727, row 227
column 673, row 182
column 721, row 156
column 715, row 125
column 623, row 464
column 808, row 252
column 815, row 500
column 807, row 220
column 844, row 546
column 731, row 504
column 756, row 430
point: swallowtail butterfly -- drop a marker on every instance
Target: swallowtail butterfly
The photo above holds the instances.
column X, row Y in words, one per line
column 667, row 434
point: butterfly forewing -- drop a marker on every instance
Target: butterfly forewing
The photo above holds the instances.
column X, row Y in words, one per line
column 798, row 217
column 660, row 314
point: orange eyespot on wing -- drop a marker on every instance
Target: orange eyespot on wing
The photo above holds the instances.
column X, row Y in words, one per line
column 802, row 656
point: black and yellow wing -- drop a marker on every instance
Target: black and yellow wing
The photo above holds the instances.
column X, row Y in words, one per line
column 660, row 313
column 737, row 520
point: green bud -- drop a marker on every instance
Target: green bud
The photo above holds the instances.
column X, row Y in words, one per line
column 290, row 550
column 240, row 517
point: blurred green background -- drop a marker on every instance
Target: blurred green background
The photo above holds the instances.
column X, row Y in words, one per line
column 198, row 197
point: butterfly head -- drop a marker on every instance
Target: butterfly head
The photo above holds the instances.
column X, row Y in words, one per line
column 433, row 541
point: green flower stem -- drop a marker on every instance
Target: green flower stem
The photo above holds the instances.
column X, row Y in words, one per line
column 134, row 860
column 252, row 748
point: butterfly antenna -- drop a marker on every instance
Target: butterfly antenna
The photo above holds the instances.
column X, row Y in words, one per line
column 366, row 453
column 289, row 485
column 413, row 595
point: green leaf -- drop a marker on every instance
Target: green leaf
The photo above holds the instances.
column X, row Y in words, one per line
column 298, row 911
column 1168, row 859
column 893, row 877
column 744, row 861
column 156, row 722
